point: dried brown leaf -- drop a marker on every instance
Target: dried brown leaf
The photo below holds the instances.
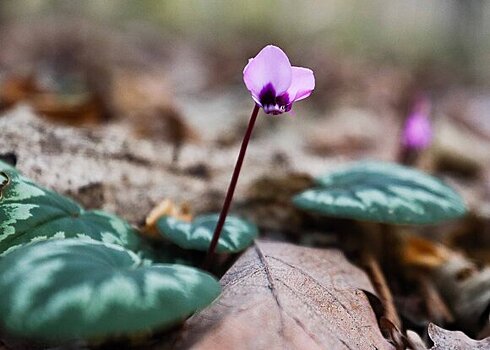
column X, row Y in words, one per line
column 464, row 287
column 455, row 340
column 165, row 208
column 423, row 253
column 282, row 296
column 414, row 341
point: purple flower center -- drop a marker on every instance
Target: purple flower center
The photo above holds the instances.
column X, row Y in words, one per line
column 273, row 104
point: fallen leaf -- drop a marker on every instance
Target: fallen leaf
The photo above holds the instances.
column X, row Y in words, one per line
column 414, row 341
column 464, row 287
column 455, row 340
column 281, row 296
column 423, row 253
column 165, row 208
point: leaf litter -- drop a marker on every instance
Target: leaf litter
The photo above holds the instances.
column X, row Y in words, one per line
column 280, row 296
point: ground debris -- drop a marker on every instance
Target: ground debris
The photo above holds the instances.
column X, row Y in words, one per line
column 280, row 296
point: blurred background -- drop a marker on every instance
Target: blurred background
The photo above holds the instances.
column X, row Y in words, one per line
column 201, row 46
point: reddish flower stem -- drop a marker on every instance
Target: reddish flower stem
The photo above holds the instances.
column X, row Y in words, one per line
column 231, row 189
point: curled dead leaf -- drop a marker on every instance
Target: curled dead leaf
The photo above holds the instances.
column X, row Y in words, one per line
column 455, row 340
column 420, row 252
column 414, row 341
column 464, row 287
column 165, row 208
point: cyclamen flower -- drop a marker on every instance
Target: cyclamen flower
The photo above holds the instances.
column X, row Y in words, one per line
column 417, row 133
column 274, row 84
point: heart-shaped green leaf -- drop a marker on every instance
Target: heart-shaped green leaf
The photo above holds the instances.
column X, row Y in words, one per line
column 60, row 290
column 383, row 192
column 29, row 212
column 237, row 233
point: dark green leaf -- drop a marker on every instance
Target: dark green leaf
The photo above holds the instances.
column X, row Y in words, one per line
column 29, row 212
column 59, row 290
column 383, row 192
column 237, row 234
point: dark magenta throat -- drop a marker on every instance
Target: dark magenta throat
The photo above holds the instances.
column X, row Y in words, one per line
column 273, row 104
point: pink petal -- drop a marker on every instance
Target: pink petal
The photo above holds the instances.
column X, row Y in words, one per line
column 270, row 66
column 302, row 84
column 418, row 132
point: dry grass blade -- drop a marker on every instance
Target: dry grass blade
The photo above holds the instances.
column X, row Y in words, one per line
column 384, row 293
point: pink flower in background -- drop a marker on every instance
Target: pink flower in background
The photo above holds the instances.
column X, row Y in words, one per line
column 417, row 133
column 274, row 84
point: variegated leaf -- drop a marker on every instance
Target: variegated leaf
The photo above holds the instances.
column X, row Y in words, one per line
column 29, row 212
column 237, row 233
column 383, row 192
column 62, row 290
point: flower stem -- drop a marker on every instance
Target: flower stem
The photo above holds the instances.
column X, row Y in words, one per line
column 407, row 156
column 231, row 189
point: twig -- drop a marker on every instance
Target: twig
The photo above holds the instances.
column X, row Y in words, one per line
column 436, row 307
column 381, row 287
